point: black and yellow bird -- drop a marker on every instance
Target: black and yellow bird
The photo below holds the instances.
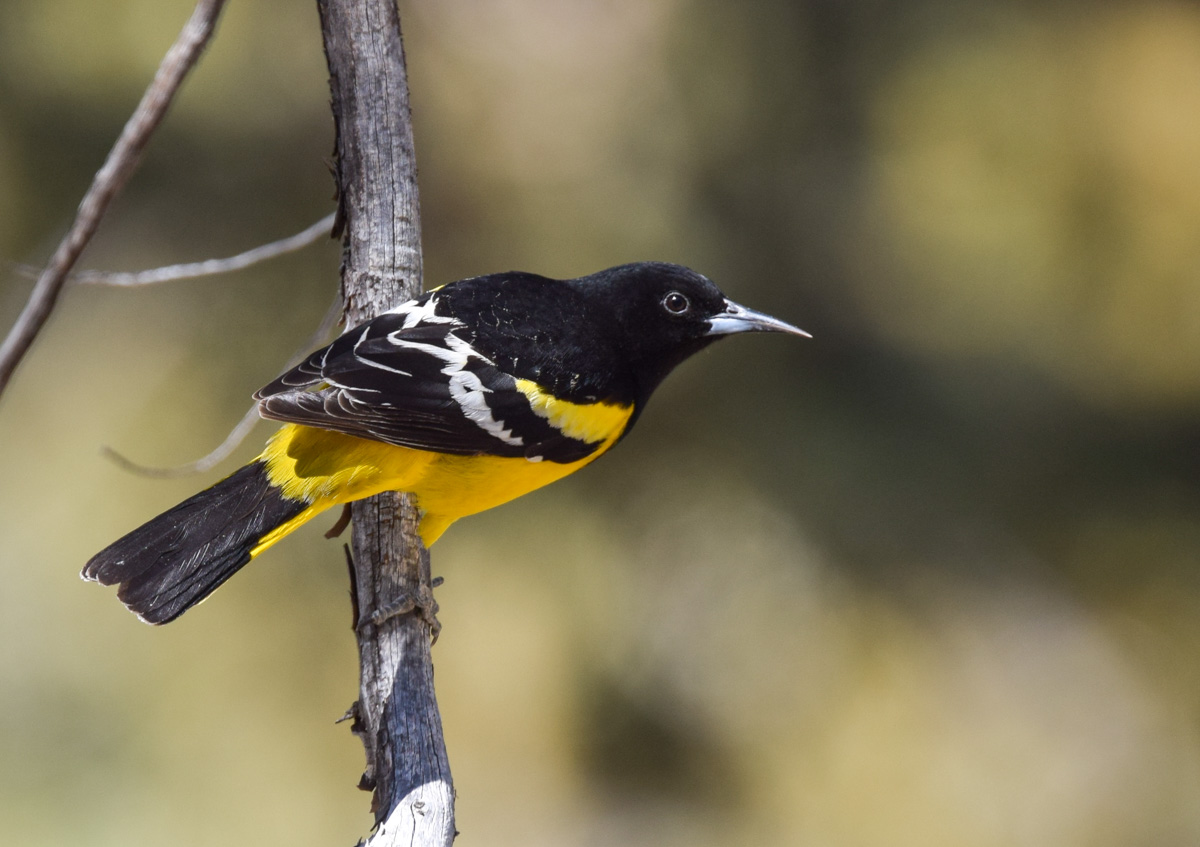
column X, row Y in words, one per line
column 467, row 397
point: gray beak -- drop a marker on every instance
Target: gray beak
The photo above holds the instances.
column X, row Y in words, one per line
column 737, row 318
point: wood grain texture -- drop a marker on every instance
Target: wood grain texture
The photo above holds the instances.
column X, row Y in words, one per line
column 396, row 715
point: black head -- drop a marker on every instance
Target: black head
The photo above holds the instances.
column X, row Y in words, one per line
column 664, row 313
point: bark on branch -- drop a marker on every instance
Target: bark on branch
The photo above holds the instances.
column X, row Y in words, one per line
column 396, row 715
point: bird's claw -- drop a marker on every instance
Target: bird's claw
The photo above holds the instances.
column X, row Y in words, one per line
column 420, row 602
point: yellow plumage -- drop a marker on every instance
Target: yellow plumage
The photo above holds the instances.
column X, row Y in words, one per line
column 325, row 468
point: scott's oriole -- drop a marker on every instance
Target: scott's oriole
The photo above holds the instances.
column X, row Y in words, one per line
column 467, row 397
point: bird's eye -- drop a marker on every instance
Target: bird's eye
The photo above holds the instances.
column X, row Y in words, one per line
column 676, row 303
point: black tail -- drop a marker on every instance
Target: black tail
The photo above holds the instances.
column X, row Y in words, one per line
column 171, row 563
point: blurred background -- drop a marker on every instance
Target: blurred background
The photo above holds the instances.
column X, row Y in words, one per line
column 930, row 578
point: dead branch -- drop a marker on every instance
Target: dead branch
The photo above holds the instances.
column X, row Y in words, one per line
column 193, row 270
column 243, row 427
column 396, row 715
column 109, row 180
column 236, row 436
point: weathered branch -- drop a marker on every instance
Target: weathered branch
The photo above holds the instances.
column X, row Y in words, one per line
column 232, row 441
column 193, row 270
column 109, row 180
column 243, row 427
column 396, row 715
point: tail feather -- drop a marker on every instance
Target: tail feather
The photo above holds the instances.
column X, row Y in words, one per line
column 174, row 561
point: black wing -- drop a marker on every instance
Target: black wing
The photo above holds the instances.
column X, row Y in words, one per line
column 411, row 378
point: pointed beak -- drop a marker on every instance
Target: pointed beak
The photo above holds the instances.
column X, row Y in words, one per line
column 737, row 318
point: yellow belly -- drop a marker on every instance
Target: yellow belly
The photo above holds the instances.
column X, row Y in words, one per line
column 325, row 468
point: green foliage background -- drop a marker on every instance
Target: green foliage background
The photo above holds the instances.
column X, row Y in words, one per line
column 928, row 579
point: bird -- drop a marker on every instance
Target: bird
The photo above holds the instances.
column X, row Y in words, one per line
column 468, row 396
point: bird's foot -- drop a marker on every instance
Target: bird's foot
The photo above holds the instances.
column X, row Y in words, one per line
column 421, row 602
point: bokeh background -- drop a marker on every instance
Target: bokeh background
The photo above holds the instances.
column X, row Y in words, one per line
column 928, row 579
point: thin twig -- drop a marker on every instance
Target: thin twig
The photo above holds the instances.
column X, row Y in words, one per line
column 231, row 442
column 243, row 428
column 192, row 270
column 109, row 180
